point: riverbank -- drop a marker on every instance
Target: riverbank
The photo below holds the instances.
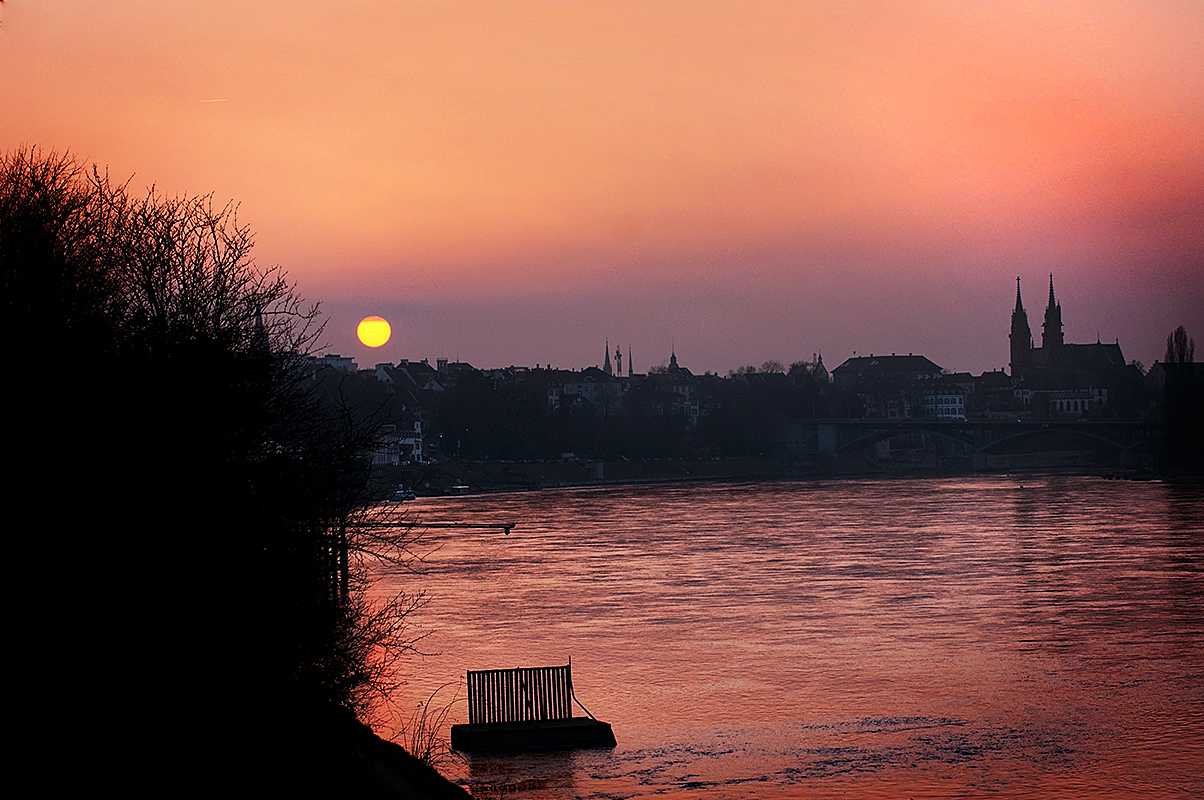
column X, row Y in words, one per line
column 473, row 477
column 460, row 477
column 383, row 769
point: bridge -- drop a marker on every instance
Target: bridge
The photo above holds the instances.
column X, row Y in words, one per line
column 980, row 440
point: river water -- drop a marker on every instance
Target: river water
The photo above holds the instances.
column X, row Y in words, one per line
column 1040, row 636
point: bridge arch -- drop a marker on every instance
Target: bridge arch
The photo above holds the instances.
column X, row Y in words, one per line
column 1031, row 433
column 870, row 439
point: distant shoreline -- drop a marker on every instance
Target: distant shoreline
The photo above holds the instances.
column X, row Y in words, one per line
column 451, row 478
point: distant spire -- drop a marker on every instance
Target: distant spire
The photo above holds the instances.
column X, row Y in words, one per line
column 1051, row 331
column 820, row 372
column 1051, row 293
column 672, row 357
column 259, row 336
column 606, row 365
column 630, row 363
column 1021, row 336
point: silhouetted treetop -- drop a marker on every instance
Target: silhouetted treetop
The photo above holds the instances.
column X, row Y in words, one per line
column 188, row 490
column 1179, row 348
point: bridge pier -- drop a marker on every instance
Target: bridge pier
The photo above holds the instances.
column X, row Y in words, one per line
column 826, row 436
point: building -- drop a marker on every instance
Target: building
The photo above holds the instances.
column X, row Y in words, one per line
column 888, row 386
column 942, row 399
column 598, row 386
column 1060, row 379
column 909, row 368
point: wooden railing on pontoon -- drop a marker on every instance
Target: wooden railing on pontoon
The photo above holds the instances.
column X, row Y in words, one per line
column 523, row 694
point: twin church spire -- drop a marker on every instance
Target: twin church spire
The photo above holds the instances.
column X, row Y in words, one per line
column 1022, row 337
column 618, row 368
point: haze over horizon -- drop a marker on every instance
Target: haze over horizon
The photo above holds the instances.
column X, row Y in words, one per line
column 514, row 183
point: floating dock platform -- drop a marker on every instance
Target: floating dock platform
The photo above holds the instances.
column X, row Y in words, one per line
column 578, row 733
column 526, row 709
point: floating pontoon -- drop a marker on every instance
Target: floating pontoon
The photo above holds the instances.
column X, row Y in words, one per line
column 527, row 708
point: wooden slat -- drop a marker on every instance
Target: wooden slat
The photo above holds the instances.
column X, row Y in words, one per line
column 520, row 695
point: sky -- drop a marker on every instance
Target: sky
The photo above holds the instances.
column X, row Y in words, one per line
column 518, row 182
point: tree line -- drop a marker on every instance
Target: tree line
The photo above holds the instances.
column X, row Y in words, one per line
column 506, row 415
column 183, row 504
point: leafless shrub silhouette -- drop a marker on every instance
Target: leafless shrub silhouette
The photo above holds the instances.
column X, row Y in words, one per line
column 425, row 734
column 216, row 493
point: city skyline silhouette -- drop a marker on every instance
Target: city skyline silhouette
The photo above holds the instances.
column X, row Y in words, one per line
column 513, row 184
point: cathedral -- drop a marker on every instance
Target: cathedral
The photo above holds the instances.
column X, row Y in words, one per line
column 1060, row 377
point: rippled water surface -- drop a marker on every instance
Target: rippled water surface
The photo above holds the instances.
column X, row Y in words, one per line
column 966, row 637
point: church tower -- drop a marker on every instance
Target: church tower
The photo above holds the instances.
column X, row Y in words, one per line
column 606, row 364
column 1022, row 336
column 820, row 373
column 1051, row 332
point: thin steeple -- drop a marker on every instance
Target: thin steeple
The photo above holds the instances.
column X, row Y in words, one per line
column 259, row 335
column 606, row 364
column 1051, row 331
column 1021, row 336
column 820, row 372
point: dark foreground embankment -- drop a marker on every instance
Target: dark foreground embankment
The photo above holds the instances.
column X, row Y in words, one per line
column 382, row 769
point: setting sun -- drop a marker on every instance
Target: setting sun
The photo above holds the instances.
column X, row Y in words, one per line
column 373, row 331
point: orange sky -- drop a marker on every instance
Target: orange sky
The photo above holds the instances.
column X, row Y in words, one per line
column 512, row 182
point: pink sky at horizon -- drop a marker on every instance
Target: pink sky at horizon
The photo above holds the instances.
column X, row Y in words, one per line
column 516, row 182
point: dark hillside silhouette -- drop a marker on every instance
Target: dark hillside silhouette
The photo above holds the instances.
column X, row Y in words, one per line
column 179, row 496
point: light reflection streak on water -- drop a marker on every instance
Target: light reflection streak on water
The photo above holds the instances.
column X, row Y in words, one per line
column 956, row 637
